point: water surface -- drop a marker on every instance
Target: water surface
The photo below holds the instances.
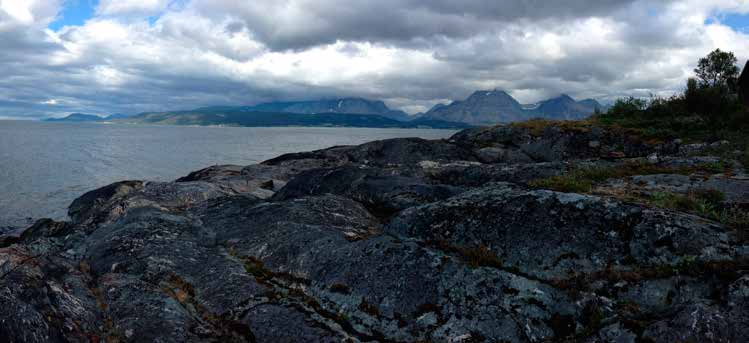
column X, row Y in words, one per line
column 45, row 166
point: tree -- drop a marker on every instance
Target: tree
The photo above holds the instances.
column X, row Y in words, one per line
column 718, row 69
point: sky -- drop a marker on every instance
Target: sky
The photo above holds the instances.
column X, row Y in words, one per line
column 132, row 56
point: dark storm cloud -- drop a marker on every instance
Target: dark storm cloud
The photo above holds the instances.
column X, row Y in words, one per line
column 285, row 25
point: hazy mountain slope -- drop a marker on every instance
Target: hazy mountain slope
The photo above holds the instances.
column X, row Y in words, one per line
column 493, row 107
column 76, row 117
column 564, row 107
column 482, row 107
column 249, row 118
column 342, row 105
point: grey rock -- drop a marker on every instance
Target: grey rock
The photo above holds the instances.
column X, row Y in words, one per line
column 698, row 322
column 502, row 155
column 552, row 235
column 482, row 174
column 86, row 206
column 378, row 190
column 615, row 333
column 392, row 241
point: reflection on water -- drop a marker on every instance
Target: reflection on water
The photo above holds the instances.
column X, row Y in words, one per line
column 45, row 166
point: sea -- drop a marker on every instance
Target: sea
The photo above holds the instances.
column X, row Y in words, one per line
column 45, row 166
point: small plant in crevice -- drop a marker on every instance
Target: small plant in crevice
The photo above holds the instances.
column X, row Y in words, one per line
column 737, row 219
column 582, row 179
column 474, row 256
column 706, row 203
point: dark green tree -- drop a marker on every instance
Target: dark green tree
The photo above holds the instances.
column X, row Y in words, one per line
column 718, row 69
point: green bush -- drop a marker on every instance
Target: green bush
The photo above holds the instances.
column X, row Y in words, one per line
column 705, row 108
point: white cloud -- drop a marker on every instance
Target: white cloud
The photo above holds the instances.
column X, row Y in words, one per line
column 27, row 12
column 131, row 7
column 415, row 55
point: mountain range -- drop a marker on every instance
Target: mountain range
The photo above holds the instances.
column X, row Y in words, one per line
column 342, row 105
column 481, row 108
column 251, row 118
column 82, row 117
column 496, row 106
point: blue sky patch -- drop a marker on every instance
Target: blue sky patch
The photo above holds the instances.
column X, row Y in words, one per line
column 74, row 12
column 738, row 22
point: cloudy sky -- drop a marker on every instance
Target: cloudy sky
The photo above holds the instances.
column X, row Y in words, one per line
column 130, row 56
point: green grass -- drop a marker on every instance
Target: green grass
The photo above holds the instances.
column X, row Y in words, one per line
column 706, row 203
column 582, row 180
column 736, row 219
column 536, row 127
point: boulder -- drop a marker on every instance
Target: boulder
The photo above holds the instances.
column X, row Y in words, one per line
column 88, row 204
column 554, row 236
column 378, row 190
column 390, row 152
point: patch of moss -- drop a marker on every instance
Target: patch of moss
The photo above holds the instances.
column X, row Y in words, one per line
column 715, row 167
column 474, row 256
column 705, row 203
column 563, row 326
column 592, row 319
column 369, row 309
column 481, row 256
column 340, row 288
column 224, row 328
column 536, row 127
column 257, row 269
column 582, row 180
column 736, row 219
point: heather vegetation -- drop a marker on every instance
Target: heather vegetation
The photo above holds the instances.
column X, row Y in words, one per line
column 709, row 108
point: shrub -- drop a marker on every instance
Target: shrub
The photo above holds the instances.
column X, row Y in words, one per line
column 708, row 105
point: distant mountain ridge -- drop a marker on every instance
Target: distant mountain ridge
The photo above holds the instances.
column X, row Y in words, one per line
column 480, row 108
column 339, row 105
column 496, row 106
column 244, row 116
column 76, row 117
column 565, row 107
column 82, row 117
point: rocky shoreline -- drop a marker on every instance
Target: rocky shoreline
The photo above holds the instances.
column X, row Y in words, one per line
column 402, row 240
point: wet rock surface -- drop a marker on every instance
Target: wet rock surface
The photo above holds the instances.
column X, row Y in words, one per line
column 394, row 241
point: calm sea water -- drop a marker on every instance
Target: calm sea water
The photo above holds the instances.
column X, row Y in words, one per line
column 45, row 166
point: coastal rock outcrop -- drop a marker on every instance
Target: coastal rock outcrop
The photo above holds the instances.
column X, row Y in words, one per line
column 403, row 240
